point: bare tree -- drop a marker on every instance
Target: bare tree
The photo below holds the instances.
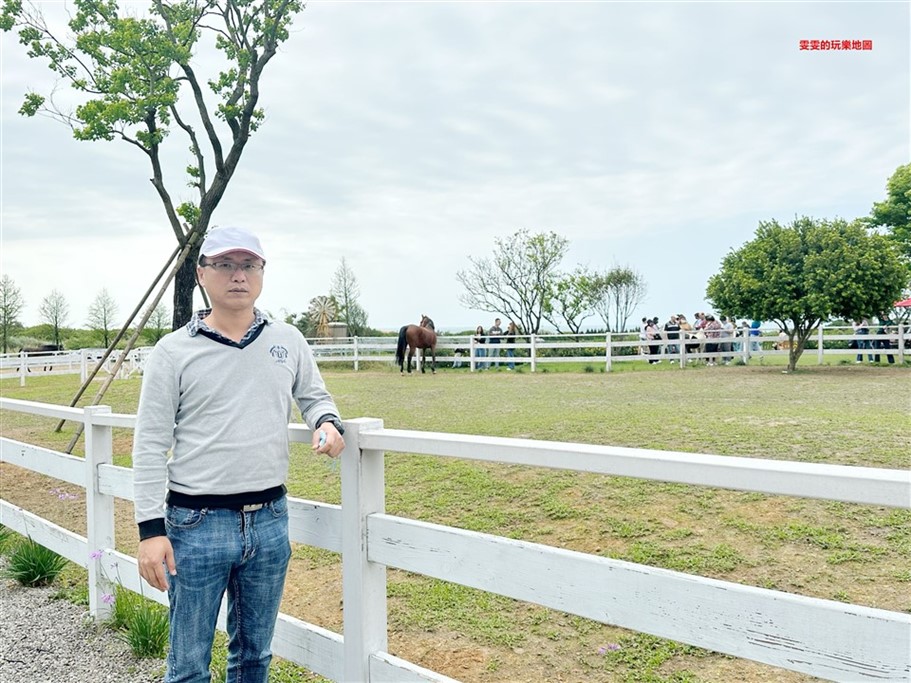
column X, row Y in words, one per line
column 159, row 323
column 618, row 292
column 347, row 292
column 54, row 310
column 11, row 305
column 518, row 279
column 101, row 316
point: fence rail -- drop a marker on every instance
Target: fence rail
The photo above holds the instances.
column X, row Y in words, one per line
column 531, row 350
column 777, row 628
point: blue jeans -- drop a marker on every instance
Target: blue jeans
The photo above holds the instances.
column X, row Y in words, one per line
column 245, row 553
column 863, row 344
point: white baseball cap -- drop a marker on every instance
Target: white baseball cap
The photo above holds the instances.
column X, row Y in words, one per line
column 222, row 240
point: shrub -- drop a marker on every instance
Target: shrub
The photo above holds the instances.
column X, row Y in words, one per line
column 32, row 564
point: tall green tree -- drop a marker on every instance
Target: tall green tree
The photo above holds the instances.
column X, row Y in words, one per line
column 102, row 314
column 803, row 274
column 11, row 305
column 894, row 213
column 517, row 280
column 347, row 293
column 138, row 79
column 54, row 310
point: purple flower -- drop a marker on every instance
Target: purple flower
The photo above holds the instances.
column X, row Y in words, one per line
column 610, row 647
column 107, row 598
column 96, row 554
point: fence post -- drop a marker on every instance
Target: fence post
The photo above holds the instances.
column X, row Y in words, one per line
column 363, row 582
column 471, row 360
column 83, row 364
column 819, row 349
column 901, row 343
column 533, row 352
column 99, row 508
column 607, row 352
column 356, row 360
column 23, row 367
column 683, row 360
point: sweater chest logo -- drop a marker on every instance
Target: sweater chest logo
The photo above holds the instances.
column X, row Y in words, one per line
column 279, row 353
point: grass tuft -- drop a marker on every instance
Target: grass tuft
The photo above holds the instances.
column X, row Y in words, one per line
column 32, row 564
column 143, row 624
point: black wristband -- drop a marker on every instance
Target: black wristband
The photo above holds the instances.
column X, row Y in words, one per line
column 336, row 422
column 151, row 528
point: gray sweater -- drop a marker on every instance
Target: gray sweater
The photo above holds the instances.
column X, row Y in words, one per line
column 223, row 413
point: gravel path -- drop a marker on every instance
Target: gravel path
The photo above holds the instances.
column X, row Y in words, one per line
column 43, row 640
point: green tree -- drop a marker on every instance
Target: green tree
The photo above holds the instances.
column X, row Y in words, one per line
column 102, row 312
column 572, row 299
column 137, row 76
column 894, row 213
column 54, row 310
column 806, row 273
column 518, row 279
column 346, row 292
column 11, row 305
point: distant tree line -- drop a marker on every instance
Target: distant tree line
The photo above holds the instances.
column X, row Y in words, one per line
column 54, row 313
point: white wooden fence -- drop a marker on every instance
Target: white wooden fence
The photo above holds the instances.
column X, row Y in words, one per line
column 80, row 361
column 531, row 350
column 823, row 638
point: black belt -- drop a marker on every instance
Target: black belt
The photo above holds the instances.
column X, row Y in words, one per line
column 249, row 501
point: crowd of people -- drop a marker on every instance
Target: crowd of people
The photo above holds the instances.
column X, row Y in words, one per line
column 724, row 338
column 720, row 338
column 706, row 334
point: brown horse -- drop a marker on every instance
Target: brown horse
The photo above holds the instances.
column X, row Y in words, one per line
column 416, row 337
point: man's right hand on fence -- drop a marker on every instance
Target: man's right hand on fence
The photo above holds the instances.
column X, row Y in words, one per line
column 154, row 554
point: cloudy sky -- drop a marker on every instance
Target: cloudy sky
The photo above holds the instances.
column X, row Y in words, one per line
column 406, row 136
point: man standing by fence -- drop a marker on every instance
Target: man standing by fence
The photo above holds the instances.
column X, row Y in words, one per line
column 218, row 395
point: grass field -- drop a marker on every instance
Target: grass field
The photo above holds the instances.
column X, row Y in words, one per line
column 837, row 414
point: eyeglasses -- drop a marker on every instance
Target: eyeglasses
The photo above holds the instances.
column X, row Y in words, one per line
column 229, row 268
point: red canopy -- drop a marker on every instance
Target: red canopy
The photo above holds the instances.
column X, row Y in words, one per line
column 903, row 304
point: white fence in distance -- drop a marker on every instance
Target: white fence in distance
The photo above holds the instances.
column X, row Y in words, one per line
column 531, row 350
column 831, row 640
column 80, row 361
